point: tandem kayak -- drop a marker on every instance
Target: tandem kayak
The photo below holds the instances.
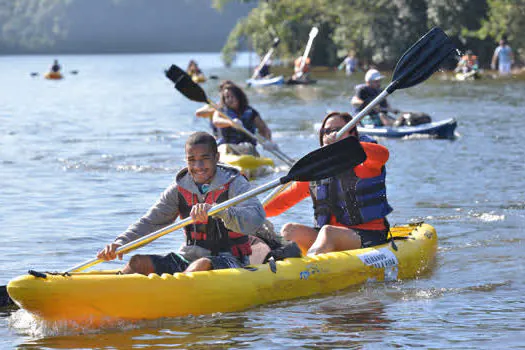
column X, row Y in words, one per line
column 443, row 129
column 266, row 81
column 249, row 165
column 99, row 296
column 53, row 75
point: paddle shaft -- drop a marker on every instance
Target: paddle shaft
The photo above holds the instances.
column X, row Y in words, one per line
column 313, row 34
column 363, row 112
column 278, row 153
column 126, row 248
column 263, row 62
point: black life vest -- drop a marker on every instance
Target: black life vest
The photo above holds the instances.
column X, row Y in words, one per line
column 352, row 200
column 212, row 235
column 234, row 136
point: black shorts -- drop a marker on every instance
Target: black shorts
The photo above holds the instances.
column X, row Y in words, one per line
column 173, row 262
column 369, row 238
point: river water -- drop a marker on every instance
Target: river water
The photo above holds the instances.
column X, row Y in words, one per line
column 82, row 158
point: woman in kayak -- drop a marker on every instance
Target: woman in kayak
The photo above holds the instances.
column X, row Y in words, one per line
column 234, row 104
column 216, row 242
column 350, row 209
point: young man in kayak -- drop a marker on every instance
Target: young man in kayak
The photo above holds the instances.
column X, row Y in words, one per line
column 350, row 209
column 235, row 105
column 365, row 93
column 217, row 242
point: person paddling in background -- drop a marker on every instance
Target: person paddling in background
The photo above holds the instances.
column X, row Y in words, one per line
column 350, row 209
column 365, row 93
column 217, row 242
column 468, row 63
column 264, row 72
column 234, row 104
column 55, row 68
column 194, row 72
column 504, row 56
column 350, row 63
column 301, row 73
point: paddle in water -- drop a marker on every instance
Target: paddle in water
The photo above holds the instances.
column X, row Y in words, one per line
column 185, row 85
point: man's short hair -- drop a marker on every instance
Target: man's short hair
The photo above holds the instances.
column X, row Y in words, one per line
column 202, row 138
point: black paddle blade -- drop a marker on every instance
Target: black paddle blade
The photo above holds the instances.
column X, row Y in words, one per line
column 421, row 60
column 327, row 161
column 185, row 85
column 276, row 42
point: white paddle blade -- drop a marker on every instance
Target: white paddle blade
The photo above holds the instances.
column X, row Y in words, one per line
column 313, row 32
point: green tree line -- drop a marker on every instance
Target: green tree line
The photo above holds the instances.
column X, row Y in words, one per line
column 378, row 31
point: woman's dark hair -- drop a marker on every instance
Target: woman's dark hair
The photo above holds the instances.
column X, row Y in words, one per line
column 237, row 92
column 345, row 116
column 202, row 138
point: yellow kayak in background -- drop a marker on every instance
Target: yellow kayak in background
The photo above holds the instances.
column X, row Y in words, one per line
column 198, row 78
column 251, row 166
column 53, row 75
column 99, row 296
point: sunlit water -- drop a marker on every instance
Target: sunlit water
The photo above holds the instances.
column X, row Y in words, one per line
column 82, row 158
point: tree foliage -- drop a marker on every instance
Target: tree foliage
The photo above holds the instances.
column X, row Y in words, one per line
column 379, row 31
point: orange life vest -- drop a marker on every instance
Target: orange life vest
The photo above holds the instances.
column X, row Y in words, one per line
column 212, row 234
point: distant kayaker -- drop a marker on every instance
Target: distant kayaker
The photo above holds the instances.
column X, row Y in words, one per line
column 55, row 68
column 301, row 72
column 195, row 72
column 468, row 63
column 350, row 209
column 350, row 63
column 265, row 72
column 234, row 104
column 365, row 93
column 504, row 56
column 217, row 242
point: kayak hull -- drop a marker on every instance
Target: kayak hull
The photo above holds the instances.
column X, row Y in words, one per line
column 474, row 75
column 443, row 129
column 98, row 296
column 249, row 165
column 300, row 82
column 53, row 75
column 279, row 80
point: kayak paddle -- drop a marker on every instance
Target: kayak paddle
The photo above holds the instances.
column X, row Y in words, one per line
column 194, row 92
column 269, row 54
column 311, row 36
column 416, row 65
column 317, row 165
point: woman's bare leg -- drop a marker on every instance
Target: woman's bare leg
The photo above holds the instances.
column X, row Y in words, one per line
column 303, row 235
column 335, row 239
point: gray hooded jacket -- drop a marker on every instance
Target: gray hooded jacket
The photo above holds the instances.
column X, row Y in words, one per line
column 245, row 217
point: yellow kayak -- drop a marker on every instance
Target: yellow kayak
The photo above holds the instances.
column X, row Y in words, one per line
column 198, row 78
column 99, row 296
column 246, row 161
column 53, row 75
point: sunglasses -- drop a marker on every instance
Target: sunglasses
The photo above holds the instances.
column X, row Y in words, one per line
column 329, row 131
